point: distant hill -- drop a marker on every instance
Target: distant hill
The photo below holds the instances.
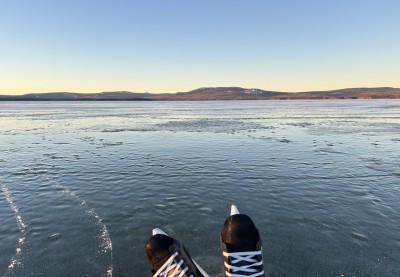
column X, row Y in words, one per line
column 210, row 93
column 221, row 93
column 350, row 93
column 70, row 96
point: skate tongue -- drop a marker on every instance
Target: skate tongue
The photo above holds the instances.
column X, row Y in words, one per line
column 241, row 246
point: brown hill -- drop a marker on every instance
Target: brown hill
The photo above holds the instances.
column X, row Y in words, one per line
column 220, row 93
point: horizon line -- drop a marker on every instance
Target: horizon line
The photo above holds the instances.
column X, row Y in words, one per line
column 205, row 87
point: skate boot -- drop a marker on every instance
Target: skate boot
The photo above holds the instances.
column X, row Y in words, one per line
column 241, row 246
column 169, row 258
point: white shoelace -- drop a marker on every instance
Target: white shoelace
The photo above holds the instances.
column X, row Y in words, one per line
column 248, row 269
column 171, row 268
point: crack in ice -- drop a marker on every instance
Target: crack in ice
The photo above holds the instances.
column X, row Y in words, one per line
column 104, row 235
column 16, row 259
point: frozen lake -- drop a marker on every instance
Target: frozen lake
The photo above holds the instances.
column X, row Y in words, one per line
column 84, row 183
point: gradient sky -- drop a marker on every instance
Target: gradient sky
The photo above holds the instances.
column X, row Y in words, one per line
column 179, row 45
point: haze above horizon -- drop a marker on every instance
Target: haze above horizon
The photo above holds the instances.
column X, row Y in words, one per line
column 170, row 46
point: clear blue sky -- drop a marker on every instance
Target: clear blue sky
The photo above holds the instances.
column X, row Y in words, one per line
column 171, row 45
